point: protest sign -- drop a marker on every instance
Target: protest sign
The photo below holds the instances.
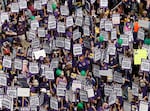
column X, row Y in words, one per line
column 145, row 65
column 112, row 98
column 49, row 74
column 12, row 92
column 33, row 68
column 3, row 80
column 135, row 89
column 113, row 34
column 83, row 96
column 41, row 32
column 126, row 63
column 64, row 10
column 51, row 22
column 116, row 18
column 96, row 70
column 14, row 7
column 117, row 77
column 54, row 103
column 141, row 34
column 76, row 85
column 18, row 64
column 60, row 42
column 69, row 21
column 34, row 100
column 37, row 5
column 7, row 102
column 22, row 4
column 77, row 49
column 23, row 92
column 7, row 62
column 67, row 44
column 103, row 3
column 143, row 106
column 108, row 90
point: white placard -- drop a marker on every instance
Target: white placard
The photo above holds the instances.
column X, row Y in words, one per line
column 64, row 10
column 108, row 90
column 141, row 34
column 76, row 35
column 83, row 96
column 15, row 7
column 41, row 32
column 108, row 72
column 54, row 103
column 54, row 63
column 79, row 21
column 40, row 53
column 111, row 49
column 135, row 89
column 116, row 18
column 86, row 30
column 7, row 102
column 112, row 98
column 44, row 2
column 126, row 63
column 34, row 100
column 90, row 92
column 35, row 43
column 87, row 20
column 143, row 106
column 34, row 24
column 61, row 91
column 49, row 74
column 69, row 21
column 77, row 49
column 108, row 25
column 118, row 90
column 18, row 64
column 76, row 85
column 79, row 12
column 113, row 34
column 144, row 23
column 38, row 5
column 33, row 68
column 145, row 65
column 125, row 39
column 105, row 35
column 87, row 43
column 130, row 35
column 117, row 77
column 103, row 3
column 61, row 27
column 12, row 92
column 67, row 44
column 96, row 70
column 23, row 92
column 4, row 16
column 31, row 35
column 22, row 4
column 102, row 23
column 51, row 22
column 49, row 7
column 7, row 62
column 60, row 42
column 3, row 80
column 97, row 55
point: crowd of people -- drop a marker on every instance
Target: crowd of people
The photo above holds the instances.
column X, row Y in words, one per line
column 75, row 55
